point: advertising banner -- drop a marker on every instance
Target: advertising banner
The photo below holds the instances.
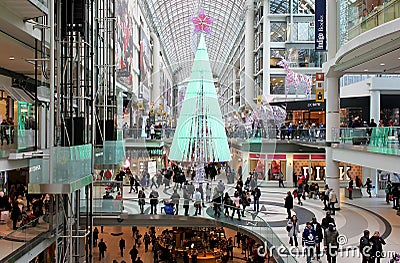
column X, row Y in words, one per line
column 320, row 25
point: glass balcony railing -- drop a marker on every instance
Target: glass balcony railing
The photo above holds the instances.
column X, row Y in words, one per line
column 20, row 239
column 361, row 19
column 15, row 138
column 70, row 164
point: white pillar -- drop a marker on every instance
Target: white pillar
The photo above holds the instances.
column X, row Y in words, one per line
column 332, row 100
column 249, row 53
column 266, row 50
column 245, row 165
column 375, row 105
column 289, row 170
column 375, row 181
column 156, row 90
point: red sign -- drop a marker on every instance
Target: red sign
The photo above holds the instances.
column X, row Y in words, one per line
column 319, row 76
column 301, row 156
column 317, row 156
column 276, row 156
column 257, row 156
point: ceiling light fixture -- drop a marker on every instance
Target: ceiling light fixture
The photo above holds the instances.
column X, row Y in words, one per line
column 382, row 64
column 366, row 69
column 12, row 58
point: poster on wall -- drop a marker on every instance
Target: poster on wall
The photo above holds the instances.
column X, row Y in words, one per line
column 144, row 66
column 124, row 47
column 152, row 168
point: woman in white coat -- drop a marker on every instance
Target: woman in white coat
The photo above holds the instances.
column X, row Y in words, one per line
column 293, row 230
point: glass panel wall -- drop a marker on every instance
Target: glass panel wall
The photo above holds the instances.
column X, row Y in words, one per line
column 278, row 32
column 279, row 7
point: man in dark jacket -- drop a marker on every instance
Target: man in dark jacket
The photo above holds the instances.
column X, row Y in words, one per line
column 317, row 227
column 327, row 220
column 331, row 243
column 257, row 194
column 289, row 204
column 134, row 252
column 122, row 246
column 376, row 250
column 365, row 247
column 102, row 248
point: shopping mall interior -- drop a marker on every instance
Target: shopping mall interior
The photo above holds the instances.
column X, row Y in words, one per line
column 199, row 131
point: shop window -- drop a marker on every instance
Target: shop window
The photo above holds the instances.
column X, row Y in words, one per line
column 276, row 56
column 258, row 167
column 277, row 84
column 276, row 169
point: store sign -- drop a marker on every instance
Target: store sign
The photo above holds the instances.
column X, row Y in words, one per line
column 318, row 172
column 156, row 152
column 320, row 25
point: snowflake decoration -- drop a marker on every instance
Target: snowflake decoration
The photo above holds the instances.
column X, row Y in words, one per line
column 202, row 22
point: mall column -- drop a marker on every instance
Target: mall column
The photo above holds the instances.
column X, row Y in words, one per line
column 249, row 53
column 155, row 91
column 332, row 100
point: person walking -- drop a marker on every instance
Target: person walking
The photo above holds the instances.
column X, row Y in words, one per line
column 332, row 201
column 102, row 248
column 350, row 189
column 376, row 250
column 327, row 220
column 365, row 247
column 134, row 252
column 175, row 200
column 153, row 201
column 217, row 200
column 388, row 191
column 309, row 240
column 257, row 194
column 318, row 228
column 236, row 205
column 186, row 201
column 146, row 241
column 142, row 200
column 280, row 179
column 16, row 213
column 331, row 244
column 289, row 204
column 122, row 246
column 197, row 202
column 293, row 229
column 368, row 184
column 95, row 236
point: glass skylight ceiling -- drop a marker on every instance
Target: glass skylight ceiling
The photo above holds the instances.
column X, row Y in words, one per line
column 172, row 22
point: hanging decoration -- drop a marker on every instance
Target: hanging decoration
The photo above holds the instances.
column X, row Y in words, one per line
column 296, row 80
column 202, row 22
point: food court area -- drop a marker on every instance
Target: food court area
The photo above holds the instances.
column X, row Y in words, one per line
column 175, row 244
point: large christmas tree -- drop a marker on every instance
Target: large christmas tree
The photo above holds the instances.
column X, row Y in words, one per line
column 200, row 136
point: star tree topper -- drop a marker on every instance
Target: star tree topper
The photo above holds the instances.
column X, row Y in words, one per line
column 202, row 22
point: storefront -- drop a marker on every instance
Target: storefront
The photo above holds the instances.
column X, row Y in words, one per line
column 145, row 159
column 270, row 167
